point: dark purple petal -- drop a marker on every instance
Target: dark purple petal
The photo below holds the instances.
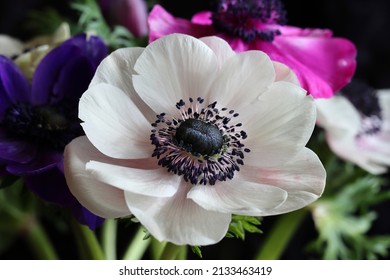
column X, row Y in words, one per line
column 43, row 161
column 16, row 151
column 51, row 186
column 61, row 71
column 73, row 80
column 13, row 85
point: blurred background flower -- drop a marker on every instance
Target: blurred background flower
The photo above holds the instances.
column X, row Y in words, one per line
column 132, row 14
column 38, row 119
column 313, row 54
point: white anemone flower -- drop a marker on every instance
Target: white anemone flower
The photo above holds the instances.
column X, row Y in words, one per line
column 10, row 46
column 185, row 132
column 358, row 133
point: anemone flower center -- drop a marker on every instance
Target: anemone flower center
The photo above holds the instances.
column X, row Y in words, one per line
column 365, row 99
column 249, row 19
column 54, row 126
column 199, row 137
column 202, row 146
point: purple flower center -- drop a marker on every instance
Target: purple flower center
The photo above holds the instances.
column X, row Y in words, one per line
column 202, row 146
column 54, row 126
column 249, row 19
column 365, row 99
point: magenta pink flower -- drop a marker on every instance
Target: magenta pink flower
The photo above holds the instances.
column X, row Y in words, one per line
column 323, row 63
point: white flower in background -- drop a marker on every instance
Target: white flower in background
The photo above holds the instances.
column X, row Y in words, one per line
column 29, row 54
column 185, row 132
column 10, row 46
column 357, row 126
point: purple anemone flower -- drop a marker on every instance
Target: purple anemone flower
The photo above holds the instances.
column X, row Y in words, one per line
column 38, row 120
column 323, row 63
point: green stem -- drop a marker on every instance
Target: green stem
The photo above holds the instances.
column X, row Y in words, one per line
column 87, row 242
column 156, row 248
column 109, row 231
column 137, row 246
column 38, row 240
column 278, row 238
column 170, row 251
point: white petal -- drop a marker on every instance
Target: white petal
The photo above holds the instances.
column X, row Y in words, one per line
column 117, row 70
column 178, row 219
column 10, row 46
column 242, row 79
column 370, row 152
column 101, row 199
column 303, row 178
column 172, row 68
column 295, row 200
column 278, row 124
column 384, row 101
column 221, row 48
column 114, row 124
column 284, row 73
column 238, row 197
column 304, row 172
column 338, row 117
column 156, row 182
column 342, row 123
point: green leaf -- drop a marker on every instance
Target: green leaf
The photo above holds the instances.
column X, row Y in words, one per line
column 197, row 251
column 8, row 181
column 240, row 224
column 343, row 221
column 91, row 20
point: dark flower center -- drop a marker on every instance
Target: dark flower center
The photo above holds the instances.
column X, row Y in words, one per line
column 51, row 125
column 249, row 19
column 202, row 146
column 199, row 137
column 365, row 99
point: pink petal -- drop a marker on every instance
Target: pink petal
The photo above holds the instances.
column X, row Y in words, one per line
column 163, row 23
column 203, row 18
column 323, row 65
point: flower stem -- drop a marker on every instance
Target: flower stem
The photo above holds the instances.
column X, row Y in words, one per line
column 278, row 238
column 87, row 242
column 38, row 240
column 137, row 246
column 170, row 251
column 109, row 231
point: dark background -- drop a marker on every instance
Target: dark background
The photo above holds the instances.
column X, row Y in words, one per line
column 366, row 23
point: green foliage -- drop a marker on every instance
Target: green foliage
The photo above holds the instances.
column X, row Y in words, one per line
column 197, row 251
column 91, row 20
column 240, row 224
column 45, row 21
column 7, row 181
column 343, row 221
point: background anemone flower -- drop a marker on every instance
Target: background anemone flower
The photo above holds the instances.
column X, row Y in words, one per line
column 10, row 46
column 132, row 14
column 357, row 126
column 323, row 63
column 38, row 120
column 185, row 132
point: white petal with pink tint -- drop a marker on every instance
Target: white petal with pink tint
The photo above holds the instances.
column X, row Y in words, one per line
column 178, row 219
column 101, row 199
column 114, row 124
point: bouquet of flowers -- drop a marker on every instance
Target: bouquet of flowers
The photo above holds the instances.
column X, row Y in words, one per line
column 134, row 133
